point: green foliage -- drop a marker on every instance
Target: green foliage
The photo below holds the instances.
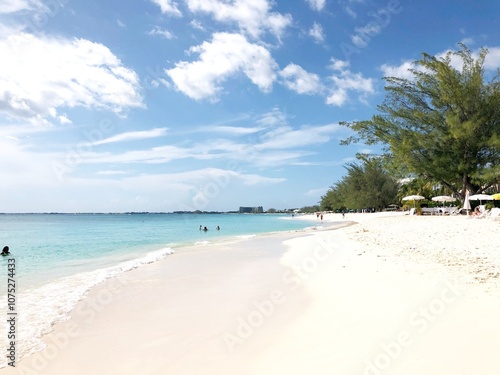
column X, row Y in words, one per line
column 365, row 186
column 310, row 209
column 443, row 125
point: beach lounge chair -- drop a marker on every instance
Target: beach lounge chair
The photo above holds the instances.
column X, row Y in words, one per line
column 430, row 210
column 483, row 212
column 411, row 212
column 448, row 210
column 494, row 213
column 458, row 211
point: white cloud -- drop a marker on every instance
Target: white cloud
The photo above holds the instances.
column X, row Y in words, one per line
column 491, row 63
column 273, row 118
column 195, row 24
column 231, row 130
column 492, row 60
column 252, row 16
column 346, row 81
column 168, row 7
column 337, row 97
column 226, row 55
column 339, row 64
column 468, row 41
column 161, row 32
column 317, row 4
column 316, row 32
column 287, row 137
column 133, row 136
column 401, row 71
column 300, row 81
column 247, row 179
column 350, row 12
column 111, row 173
column 43, row 74
column 317, row 192
column 14, row 6
column 363, row 34
column 63, row 119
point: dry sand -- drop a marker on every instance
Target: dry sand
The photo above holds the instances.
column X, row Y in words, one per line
column 392, row 294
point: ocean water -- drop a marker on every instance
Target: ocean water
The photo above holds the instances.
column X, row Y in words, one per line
column 60, row 257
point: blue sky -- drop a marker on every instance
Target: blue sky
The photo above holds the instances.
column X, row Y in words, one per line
column 163, row 105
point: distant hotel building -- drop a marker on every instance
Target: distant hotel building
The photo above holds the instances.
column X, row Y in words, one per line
column 251, row 210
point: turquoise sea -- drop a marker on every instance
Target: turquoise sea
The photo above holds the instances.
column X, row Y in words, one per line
column 60, row 257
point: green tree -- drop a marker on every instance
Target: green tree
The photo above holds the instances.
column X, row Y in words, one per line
column 443, row 125
column 421, row 186
column 310, row 209
column 366, row 185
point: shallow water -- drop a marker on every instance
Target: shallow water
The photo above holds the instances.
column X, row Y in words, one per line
column 59, row 257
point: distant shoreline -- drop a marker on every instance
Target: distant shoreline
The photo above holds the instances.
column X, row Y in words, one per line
column 145, row 213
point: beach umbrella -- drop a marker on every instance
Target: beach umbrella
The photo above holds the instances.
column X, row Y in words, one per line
column 443, row 198
column 496, row 196
column 413, row 198
column 467, row 203
column 481, row 198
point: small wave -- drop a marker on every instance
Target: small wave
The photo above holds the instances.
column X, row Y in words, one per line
column 50, row 304
column 246, row 236
column 202, row 242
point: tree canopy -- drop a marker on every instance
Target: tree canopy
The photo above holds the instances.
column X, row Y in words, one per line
column 444, row 124
column 365, row 186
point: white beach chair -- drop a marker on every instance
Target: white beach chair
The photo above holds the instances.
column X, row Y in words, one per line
column 458, row 211
column 483, row 212
column 494, row 213
column 411, row 212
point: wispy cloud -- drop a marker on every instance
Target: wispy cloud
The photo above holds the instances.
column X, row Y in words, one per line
column 161, row 32
column 230, row 130
column 112, row 173
column 14, row 6
column 317, row 4
column 316, row 32
column 168, row 7
column 133, row 136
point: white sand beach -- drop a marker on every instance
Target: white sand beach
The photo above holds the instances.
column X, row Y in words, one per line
column 390, row 294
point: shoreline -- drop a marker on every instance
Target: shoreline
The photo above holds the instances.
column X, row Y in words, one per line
column 88, row 280
column 283, row 290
